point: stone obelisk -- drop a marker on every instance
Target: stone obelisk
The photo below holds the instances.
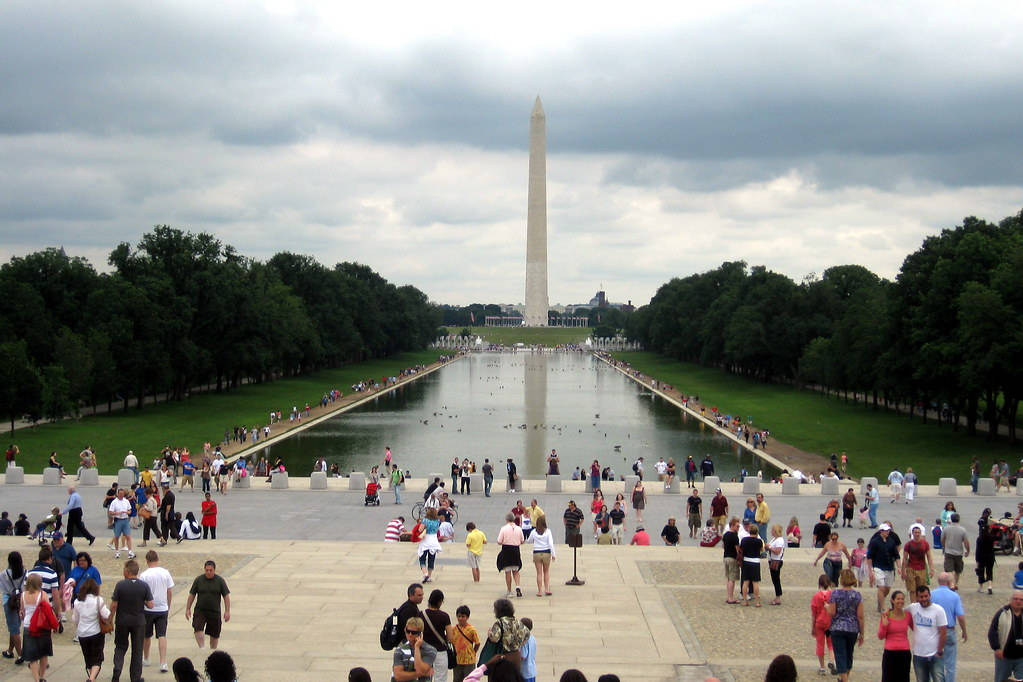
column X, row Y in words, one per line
column 536, row 221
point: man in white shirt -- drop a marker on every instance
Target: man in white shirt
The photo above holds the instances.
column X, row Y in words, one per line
column 930, row 627
column 120, row 512
column 132, row 462
column 161, row 584
column 662, row 468
column 895, row 483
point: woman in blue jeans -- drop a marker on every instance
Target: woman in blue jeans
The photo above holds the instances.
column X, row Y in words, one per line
column 846, row 608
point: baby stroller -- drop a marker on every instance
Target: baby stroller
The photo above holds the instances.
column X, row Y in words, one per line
column 1004, row 533
column 47, row 527
column 372, row 494
column 831, row 512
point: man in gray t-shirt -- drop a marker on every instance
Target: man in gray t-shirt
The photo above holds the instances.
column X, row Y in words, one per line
column 413, row 658
column 956, row 546
column 127, row 607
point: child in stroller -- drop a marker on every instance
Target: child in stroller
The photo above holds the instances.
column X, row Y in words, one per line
column 831, row 512
column 372, row 494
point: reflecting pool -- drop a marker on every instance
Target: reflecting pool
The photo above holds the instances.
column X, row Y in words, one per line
column 519, row 405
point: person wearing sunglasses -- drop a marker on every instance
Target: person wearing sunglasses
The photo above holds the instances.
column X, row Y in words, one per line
column 413, row 658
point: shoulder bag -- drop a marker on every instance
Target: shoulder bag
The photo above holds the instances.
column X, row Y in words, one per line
column 106, row 625
column 448, row 646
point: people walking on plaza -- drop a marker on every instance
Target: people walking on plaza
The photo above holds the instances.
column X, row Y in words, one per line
column 437, row 633
column 528, row 653
column 690, row 467
column 694, row 513
column 474, row 541
column 895, row 480
column 88, row 613
column 917, row 564
column 74, row 511
column 820, row 624
column 397, row 481
column 775, row 560
column 595, row 475
column 596, row 505
column 488, row 476
column 507, row 632
column 543, row 554
column 955, row 545
column 127, row 604
column 37, row 645
column 749, row 514
column 639, row 500
column 413, row 659
column 429, row 546
column 119, row 512
column 1005, row 637
column 848, row 508
column 985, row 556
column 821, row 532
column 206, row 592
column 833, row 551
column 168, row 528
column 573, row 518
column 893, row 630
column 617, row 516
column 149, row 511
column 947, row 598
column 12, row 584
column 456, row 471
column 509, row 559
column 845, row 605
column 882, row 557
column 512, row 471
column 730, row 546
column 909, row 481
column 161, row 584
column 467, row 644
column 947, row 512
column 793, row 535
column 873, row 502
column 930, row 630
column 750, row 548
column 670, row 533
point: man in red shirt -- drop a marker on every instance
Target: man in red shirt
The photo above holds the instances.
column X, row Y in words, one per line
column 916, row 560
column 640, row 537
column 719, row 510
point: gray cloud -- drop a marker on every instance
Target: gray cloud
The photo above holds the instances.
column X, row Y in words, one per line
column 793, row 134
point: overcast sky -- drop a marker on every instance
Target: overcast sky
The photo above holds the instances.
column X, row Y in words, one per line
column 795, row 135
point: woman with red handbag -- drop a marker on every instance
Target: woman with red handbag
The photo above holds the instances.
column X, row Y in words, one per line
column 39, row 621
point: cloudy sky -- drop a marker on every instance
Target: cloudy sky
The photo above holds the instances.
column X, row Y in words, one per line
column 796, row 135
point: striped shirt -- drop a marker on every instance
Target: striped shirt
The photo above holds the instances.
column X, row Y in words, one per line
column 47, row 575
column 393, row 532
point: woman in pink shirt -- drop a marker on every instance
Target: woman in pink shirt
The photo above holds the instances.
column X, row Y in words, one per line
column 894, row 630
column 509, row 559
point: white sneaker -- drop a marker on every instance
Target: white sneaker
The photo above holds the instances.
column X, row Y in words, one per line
column 117, row 555
column 145, row 662
column 131, row 555
column 110, row 546
column 163, row 667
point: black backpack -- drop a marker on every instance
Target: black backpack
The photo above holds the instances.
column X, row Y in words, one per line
column 390, row 634
column 635, row 467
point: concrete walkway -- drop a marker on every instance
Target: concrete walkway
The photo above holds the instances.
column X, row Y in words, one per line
column 312, row 584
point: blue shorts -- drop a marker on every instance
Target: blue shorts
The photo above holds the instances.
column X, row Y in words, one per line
column 13, row 620
column 122, row 527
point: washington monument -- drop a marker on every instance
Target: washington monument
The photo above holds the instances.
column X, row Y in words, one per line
column 536, row 221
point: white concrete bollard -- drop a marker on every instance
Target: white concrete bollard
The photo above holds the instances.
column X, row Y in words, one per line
column 89, row 477
column 125, row 478
column 829, row 486
column 864, row 481
column 51, row 476
column 357, row 481
column 318, row 480
column 987, row 487
column 553, row 483
column 947, row 487
column 279, row 481
column 790, row 485
column 750, row 485
column 711, row 484
column 15, row 475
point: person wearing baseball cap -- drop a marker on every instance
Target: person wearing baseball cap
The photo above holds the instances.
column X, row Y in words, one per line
column 882, row 557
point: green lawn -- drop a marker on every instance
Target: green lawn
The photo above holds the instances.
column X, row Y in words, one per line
column 874, row 441
column 531, row 336
column 191, row 422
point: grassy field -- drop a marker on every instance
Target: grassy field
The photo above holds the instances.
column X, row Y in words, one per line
column 191, row 422
column 874, row 441
column 531, row 336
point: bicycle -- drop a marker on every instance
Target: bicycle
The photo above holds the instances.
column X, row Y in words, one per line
column 419, row 507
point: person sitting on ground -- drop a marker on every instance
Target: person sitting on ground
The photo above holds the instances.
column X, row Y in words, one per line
column 189, row 529
column 710, row 536
column 670, row 533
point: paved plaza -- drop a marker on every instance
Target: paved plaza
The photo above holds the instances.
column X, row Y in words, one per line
column 312, row 583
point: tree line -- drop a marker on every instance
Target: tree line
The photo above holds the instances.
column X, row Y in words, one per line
column 181, row 310
column 946, row 334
